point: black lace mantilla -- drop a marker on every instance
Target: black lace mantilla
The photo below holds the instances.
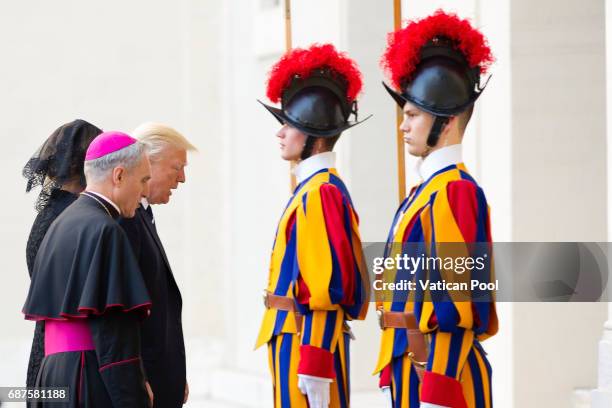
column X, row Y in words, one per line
column 60, row 159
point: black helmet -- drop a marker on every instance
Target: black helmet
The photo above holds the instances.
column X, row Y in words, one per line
column 436, row 64
column 317, row 88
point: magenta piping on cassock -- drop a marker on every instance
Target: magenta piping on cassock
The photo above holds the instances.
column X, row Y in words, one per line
column 129, row 360
column 87, row 311
column 95, row 311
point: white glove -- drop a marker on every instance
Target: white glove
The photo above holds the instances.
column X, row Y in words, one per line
column 386, row 391
column 316, row 389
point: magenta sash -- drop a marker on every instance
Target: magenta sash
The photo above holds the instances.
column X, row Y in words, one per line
column 67, row 335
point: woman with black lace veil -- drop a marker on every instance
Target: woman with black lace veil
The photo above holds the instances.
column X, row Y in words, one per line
column 58, row 168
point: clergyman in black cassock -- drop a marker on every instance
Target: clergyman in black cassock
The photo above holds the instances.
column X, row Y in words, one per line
column 87, row 287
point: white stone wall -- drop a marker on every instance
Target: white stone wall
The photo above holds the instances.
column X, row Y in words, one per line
column 559, row 171
column 199, row 65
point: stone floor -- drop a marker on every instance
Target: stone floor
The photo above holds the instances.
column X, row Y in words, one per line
column 359, row 400
column 217, row 391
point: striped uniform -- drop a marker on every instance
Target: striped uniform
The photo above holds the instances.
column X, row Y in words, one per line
column 447, row 208
column 316, row 259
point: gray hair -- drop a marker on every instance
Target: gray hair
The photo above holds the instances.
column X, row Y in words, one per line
column 129, row 157
column 158, row 136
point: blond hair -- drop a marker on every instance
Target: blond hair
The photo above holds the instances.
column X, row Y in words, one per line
column 157, row 136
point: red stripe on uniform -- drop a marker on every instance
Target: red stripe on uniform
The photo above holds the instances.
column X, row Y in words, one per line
column 333, row 211
column 462, row 201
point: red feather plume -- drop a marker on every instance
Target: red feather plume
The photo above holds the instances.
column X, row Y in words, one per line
column 302, row 62
column 403, row 51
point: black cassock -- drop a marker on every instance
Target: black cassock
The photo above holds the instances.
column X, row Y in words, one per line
column 163, row 348
column 85, row 269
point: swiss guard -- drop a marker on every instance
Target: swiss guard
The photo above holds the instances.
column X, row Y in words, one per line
column 317, row 277
column 430, row 353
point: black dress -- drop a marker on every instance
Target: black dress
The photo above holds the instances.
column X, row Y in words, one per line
column 85, row 268
column 57, row 202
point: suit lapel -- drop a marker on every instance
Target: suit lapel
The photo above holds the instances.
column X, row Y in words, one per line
column 153, row 232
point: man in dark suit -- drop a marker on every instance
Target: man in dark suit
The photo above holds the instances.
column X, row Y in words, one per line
column 163, row 348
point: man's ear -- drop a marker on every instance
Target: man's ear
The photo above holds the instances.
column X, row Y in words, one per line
column 118, row 175
column 450, row 124
column 453, row 121
column 319, row 145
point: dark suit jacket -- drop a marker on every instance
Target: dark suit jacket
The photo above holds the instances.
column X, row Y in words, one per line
column 163, row 348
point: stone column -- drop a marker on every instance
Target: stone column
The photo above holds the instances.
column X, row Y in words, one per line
column 602, row 396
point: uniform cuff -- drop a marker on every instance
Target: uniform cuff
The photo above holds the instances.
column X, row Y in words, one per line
column 440, row 390
column 385, row 377
column 316, row 362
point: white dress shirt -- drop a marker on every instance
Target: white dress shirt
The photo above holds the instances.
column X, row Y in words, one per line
column 145, row 204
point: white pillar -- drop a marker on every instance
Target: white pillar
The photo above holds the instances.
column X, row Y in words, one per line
column 602, row 396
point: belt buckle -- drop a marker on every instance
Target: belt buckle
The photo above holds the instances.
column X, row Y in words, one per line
column 380, row 312
column 265, row 299
column 420, row 364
